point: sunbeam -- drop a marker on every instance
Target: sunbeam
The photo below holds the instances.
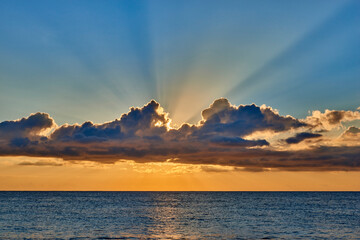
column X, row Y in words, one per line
column 299, row 62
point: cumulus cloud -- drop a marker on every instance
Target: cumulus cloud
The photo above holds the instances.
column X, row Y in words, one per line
column 19, row 134
column 147, row 122
column 223, row 118
column 220, row 138
column 26, row 127
column 331, row 118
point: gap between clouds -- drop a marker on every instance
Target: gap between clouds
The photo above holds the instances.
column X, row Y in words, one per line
column 220, row 138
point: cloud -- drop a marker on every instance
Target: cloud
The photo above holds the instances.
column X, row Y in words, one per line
column 317, row 159
column 220, row 138
column 25, row 133
column 222, row 169
column 147, row 122
column 223, row 118
column 352, row 131
column 41, row 163
column 299, row 137
column 331, row 118
column 238, row 142
column 26, row 127
column 217, row 169
column 351, row 136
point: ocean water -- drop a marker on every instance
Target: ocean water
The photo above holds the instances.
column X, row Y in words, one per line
column 180, row 215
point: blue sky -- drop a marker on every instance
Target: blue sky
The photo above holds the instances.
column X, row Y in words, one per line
column 92, row 60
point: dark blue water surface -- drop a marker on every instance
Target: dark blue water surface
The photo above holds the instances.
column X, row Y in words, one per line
column 179, row 215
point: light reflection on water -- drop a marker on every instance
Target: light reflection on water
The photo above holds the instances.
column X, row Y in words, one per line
column 177, row 215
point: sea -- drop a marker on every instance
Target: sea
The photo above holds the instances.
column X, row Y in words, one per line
column 179, row 215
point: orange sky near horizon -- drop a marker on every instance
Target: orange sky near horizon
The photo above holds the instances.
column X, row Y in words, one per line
column 130, row 176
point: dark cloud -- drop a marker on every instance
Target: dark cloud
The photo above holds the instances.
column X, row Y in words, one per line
column 334, row 117
column 317, row 159
column 139, row 122
column 254, row 169
column 19, row 142
column 222, row 118
column 143, row 135
column 26, row 127
column 301, row 137
column 238, row 142
column 41, row 163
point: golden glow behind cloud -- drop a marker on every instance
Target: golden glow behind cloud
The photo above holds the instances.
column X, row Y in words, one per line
column 130, row 176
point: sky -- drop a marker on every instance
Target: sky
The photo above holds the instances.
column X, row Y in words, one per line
column 179, row 95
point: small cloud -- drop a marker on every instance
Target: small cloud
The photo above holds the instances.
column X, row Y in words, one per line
column 255, row 169
column 301, row 137
column 217, row 169
column 41, row 163
column 351, row 134
column 237, row 142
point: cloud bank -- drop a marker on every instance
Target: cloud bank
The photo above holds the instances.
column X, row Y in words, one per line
column 220, row 138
